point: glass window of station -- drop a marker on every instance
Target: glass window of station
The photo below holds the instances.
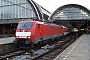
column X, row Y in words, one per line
column 11, row 9
column 71, row 13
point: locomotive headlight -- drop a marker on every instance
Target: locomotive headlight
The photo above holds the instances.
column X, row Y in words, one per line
column 28, row 36
column 75, row 30
column 17, row 36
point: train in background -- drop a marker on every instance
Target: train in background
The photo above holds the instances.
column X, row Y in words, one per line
column 33, row 32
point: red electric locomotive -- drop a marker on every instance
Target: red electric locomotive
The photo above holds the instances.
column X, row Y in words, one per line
column 33, row 32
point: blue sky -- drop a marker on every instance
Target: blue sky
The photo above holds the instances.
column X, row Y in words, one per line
column 52, row 5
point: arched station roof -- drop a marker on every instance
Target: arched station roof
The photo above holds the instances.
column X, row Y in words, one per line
column 71, row 15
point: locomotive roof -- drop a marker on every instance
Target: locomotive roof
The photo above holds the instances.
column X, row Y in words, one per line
column 39, row 22
column 32, row 21
column 53, row 24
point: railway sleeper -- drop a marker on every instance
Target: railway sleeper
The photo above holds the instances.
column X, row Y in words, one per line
column 50, row 56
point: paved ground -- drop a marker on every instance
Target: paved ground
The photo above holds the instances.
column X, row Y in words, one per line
column 79, row 50
column 6, row 40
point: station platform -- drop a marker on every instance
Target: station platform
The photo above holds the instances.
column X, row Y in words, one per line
column 6, row 44
column 78, row 50
column 6, row 40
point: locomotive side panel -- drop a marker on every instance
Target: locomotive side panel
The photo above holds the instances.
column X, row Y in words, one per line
column 46, row 32
column 38, row 35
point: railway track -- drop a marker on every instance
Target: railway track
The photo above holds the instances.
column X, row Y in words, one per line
column 59, row 47
column 9, row 54
column 48, row 52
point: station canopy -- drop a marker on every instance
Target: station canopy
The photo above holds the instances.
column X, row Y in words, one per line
column 71, row 15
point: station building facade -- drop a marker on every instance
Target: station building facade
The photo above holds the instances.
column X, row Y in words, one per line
column 13, row 11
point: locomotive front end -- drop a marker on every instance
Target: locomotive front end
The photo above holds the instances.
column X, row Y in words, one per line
column 23, row 34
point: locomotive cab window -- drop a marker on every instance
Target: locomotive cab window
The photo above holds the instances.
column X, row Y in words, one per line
column 24, row 25
column 38, row 25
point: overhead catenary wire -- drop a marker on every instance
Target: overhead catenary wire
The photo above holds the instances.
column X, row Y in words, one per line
column 51, row 3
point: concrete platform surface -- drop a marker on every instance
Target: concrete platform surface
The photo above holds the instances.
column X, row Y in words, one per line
column 79, row 50
column 6, row 40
